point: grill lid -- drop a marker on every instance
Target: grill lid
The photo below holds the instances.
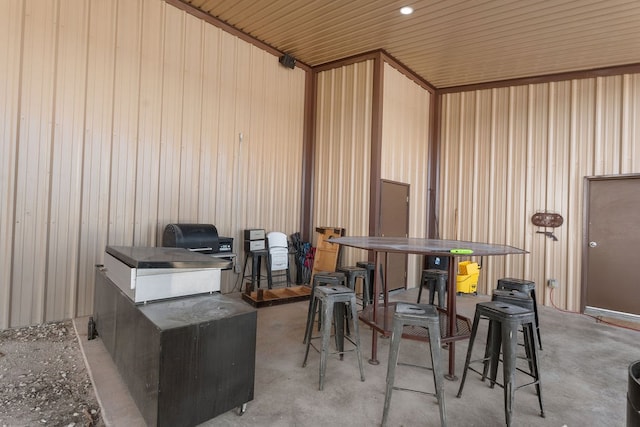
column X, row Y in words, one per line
column 200, row 237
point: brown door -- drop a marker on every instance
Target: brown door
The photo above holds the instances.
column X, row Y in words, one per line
column 394, row 222
column 612, row 234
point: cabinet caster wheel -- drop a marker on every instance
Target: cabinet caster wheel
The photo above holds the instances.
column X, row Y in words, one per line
column 242, row 409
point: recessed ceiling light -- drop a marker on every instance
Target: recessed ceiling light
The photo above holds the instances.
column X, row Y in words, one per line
column 407, row 10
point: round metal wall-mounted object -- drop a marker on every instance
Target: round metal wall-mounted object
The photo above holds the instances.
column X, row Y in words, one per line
column 545, row 219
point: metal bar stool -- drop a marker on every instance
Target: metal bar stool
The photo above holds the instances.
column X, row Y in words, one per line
column 437, row 282
column 525, row 286
column 423, row 316
column 334, row 299
column 321, row 278
column 371, row 268
column 256, row 258
column 520, row 299
column 504, row 322
column 353, row 273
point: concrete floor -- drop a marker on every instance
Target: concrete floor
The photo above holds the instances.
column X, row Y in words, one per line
column 584, row 371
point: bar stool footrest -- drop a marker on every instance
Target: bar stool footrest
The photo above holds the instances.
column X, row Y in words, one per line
column 429, row 393
column 428, row 368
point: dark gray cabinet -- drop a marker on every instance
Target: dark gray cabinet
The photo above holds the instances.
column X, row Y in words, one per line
column 184, row 360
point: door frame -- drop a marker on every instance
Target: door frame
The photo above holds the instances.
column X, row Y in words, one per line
column 585, row 230
column 405, row 257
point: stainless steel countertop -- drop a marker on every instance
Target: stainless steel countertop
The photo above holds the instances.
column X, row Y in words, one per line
column 161, row 257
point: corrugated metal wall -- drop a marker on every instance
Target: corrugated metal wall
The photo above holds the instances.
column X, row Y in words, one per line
column 10, row 29
column 343, row 152
column 405, row 151
column 511, row 152
column 118, row 117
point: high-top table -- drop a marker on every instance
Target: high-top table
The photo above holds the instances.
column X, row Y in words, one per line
column 453, row 327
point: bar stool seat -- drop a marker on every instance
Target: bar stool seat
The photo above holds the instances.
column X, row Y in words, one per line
column 415, row 315
column 528, row 287
column 504, row 322
column 514, row 297
column 334, row 299
column 437, row 282
column 322, row 278
column 354, row 273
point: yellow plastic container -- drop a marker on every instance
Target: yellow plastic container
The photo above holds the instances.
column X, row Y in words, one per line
column 467, row 280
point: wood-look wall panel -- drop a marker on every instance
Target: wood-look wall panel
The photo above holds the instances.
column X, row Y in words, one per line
column 251, row 155
column 549, row 136
column 464, row 167
column 291, row 149
column 581, row 143
column 171, row 122
column 498, row 165
column 515, row 202
column 149, row 117
column 120, row 117
column 286, row 195
column 343, row 151
column 488, row 162
column 249, row 142
column 557, row 161
column 125, row 123
column 608, row 124
column 263, row 159
column 226, row 132
column 630, row 126
column 11, row 24
column 405, row 151
column 476, row 160
column 233, row 104
column 66, row 160
column 190, row 135
column 33, row 162
column 449, row 136
column 260, row 158
column 97, row 146
column 212, row 62
column 536, row 178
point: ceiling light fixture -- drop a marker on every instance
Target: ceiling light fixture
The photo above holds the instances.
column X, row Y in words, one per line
column 407, row 10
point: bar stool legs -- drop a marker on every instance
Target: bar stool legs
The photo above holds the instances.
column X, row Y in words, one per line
column 370, row 267
column 256, row 258
column 528, row 287
column 321, row 278
column 437, row 282
column 334, row 299
column 353, row 273
column 504, row 322
column 421, row 315
column 521, row 299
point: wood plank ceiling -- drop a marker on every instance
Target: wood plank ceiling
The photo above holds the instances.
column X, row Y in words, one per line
column 447, row 42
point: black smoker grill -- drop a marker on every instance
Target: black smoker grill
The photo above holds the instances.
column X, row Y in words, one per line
column 202, row 238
